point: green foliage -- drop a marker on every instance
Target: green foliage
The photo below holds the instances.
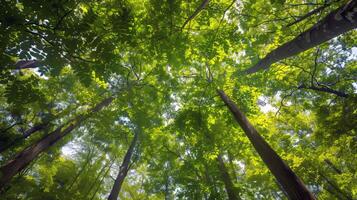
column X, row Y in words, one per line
column 164, row 82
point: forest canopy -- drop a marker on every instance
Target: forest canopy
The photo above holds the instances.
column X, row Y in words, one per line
column 173, row 99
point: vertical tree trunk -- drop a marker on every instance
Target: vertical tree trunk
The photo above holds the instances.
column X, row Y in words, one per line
column 231, row 191
column 123, row 170
column 336, row 23
column 292, row 184
column 20, row 161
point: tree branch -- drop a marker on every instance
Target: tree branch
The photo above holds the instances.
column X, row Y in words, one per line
column 197, row 11
column 307, row 15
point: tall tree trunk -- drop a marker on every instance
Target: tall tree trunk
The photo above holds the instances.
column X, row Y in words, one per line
column 27, row 64
column 334, row 189
column 292, row 184
column 330, row 164
column 26, row 134
column 334, row 24
column 123, row 170
column 32, row 130
column 228, row 184
column 25, row 157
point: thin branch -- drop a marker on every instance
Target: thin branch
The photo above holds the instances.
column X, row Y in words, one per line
column 307, row 15
column 197, row 11
column 315, row 67
column 283, row 99
column 62, row 18
column 324, row 89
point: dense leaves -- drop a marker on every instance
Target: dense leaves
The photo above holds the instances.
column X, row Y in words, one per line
column 58, row 59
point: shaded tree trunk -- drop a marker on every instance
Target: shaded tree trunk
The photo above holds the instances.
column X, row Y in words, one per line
column 123, row 170
column 228, row 184
column 334, row 24
column 27, row 64
column 292, row 185
column 335, row 190
column 25, row 157
column 25, row 135
column 330, row 164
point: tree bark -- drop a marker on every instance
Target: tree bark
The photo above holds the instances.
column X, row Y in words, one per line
column 27, row 64
column 334, row 189
column 228, row 184
column 307, row 15
column 324, row 89
column 334, row 24
column 293, row 186
column 25, row 157
column 330, row 164
column 26, row 134
column 123, row 170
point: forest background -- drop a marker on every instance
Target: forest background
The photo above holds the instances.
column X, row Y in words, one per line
column 130, row 98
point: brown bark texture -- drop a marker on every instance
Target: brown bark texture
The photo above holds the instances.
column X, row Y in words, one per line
column 334, row 24
column 123, row 170
column 24, row 158
column 228, row 184
column 290, row 182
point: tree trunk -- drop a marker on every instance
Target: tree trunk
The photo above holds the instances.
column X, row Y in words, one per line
column 231, row 191
column 123, row 170
column 293, row 186
column 334, row 24
column 27, row 64
column 26, row 134
column 330, row 164
column 25, row 157
column 334, row 189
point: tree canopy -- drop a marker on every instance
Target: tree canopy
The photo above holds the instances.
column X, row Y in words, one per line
column 118, row 99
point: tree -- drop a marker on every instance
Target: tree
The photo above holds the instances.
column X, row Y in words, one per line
column 124, row 168
column 25, row 157
column 163, row 61
column 291, row 184
column 231, row 191
column 334, row 24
